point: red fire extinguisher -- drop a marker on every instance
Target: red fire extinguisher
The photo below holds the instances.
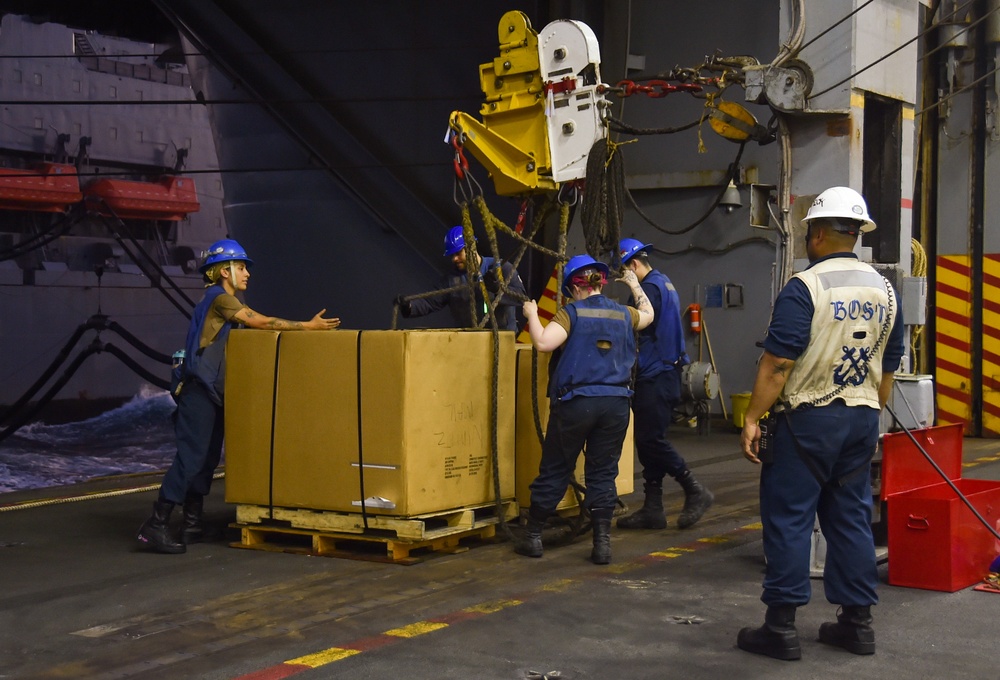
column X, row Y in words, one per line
column 695, row 311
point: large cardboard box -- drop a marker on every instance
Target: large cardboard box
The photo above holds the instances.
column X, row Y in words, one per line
column 935, row 541
column 419, row 443
column 528, row 450
column 251, row 362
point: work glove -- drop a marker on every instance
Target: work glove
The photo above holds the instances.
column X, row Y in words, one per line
column 491, row 279
column 404, row 306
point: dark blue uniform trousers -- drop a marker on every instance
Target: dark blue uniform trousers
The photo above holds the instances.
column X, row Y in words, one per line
column 653, row 407
column 840, row 440
column 600, row 423
column 199, row 431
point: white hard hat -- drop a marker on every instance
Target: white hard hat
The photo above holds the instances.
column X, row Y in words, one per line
column 840, row 202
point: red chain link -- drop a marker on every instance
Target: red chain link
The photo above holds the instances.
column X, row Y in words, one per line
column 654, row 89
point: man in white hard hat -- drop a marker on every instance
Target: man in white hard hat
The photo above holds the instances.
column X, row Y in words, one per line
column 834, row 341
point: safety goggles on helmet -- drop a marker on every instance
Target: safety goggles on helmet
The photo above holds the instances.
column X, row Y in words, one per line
column 576, row 265
column 225, row 250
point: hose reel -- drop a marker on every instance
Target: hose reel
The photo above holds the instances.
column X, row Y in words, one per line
column 699, row 382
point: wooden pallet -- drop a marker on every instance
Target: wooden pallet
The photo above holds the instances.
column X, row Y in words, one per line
column 387, row 539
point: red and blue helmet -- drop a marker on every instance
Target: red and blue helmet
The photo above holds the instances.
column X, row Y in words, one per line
column 578, row 263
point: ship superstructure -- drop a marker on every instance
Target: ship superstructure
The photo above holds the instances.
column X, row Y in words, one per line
column 101, row 220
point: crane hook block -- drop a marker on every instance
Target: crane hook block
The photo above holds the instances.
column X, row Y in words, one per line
column 542, row 110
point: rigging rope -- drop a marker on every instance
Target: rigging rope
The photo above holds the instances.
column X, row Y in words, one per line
column 604, row 201
column 919, row 269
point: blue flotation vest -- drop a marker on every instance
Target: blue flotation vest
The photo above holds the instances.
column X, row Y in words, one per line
column 661, row 343
column 206, row 365
column 599, row 353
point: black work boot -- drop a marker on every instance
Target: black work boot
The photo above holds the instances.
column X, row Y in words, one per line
column 601, row 518
column 651, row 514
column 697, row 499
column 155, row 531
column 777, row 638
column 852, row 631
column 194, row 527
column 529, row 543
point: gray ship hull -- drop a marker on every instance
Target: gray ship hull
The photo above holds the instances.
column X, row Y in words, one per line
column 112, row 111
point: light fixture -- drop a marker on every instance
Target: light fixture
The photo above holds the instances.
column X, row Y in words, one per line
column 730, row 200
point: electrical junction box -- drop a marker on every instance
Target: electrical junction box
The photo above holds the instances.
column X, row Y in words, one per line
column 527, row 448
column 935, row 541
column 914, row 300
column 912, row 400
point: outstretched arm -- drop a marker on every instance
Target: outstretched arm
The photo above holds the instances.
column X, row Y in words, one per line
column 252, row 319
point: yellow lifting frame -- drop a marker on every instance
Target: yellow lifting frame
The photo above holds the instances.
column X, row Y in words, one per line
column 512, row 140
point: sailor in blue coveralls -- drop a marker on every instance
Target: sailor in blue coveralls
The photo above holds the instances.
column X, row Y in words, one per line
column 657, row 392
column 505, row 308
column 199, row 391
column 834, row 341
column 589, row 394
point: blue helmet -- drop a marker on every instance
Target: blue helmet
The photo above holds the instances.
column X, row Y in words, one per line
column 224, row 251
column 579, row 263
column 629, row 247
column 454, row 241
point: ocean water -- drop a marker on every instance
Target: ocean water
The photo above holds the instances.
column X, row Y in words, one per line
column 136, row 437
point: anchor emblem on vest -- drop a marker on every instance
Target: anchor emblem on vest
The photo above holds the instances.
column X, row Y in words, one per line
column 853, row 369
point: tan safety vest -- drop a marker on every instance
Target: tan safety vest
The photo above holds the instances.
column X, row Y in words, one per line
column 851, row 304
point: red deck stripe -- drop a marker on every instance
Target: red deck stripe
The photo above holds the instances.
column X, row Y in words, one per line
column 369, row 643
column 906, row 203
column 285, row 670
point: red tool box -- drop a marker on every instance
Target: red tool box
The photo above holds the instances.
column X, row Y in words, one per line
column 935, row 542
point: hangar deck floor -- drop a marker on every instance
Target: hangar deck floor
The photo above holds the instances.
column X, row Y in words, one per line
column 79, row 601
